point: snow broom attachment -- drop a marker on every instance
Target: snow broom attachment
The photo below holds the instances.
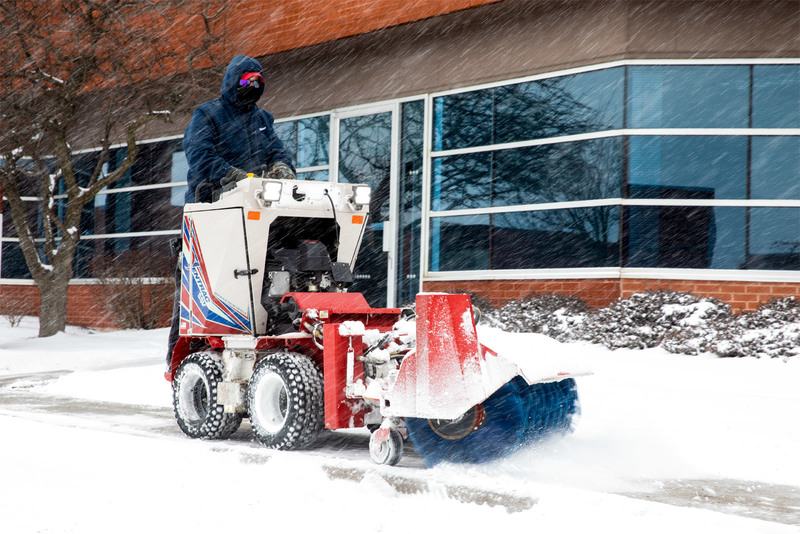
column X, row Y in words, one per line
column 463, row 402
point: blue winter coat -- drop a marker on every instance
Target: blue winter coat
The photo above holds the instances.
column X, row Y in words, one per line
column 225, row 133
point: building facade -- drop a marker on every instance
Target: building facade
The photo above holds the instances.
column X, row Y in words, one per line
column 596, row 148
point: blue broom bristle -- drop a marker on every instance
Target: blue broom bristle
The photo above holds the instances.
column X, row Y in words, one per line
column 517, row 414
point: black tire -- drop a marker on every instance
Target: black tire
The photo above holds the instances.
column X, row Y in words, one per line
column 285, row 401
column 194, row 399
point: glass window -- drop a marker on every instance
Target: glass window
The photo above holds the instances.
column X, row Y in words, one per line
column 287, row 133
column 313, row 138
column 580, row 237
column 179, row 170
column 34, row 217
column 560, row 172
column 775, row 168
column 774, row 239
column 685, row 237
column 463, row 120
column 306, row 140
column 698, row 167
column 776, row 96
column 688, row 96
column 14, row 265
column 579, row 103
column 134, row 256
column 135, row 211
column 318, row 176
column 460, row 243
column 409, row 213
column 462, row 182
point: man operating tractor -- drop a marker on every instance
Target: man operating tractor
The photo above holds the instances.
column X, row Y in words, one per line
column 228, row 138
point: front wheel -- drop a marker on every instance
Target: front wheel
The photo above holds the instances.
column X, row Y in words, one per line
column 194, row 399
column 386, row 446
column 285, row 401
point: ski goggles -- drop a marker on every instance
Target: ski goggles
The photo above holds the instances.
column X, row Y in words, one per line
column 251, row 78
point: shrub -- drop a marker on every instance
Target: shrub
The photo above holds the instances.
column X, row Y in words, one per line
column 772, row 331
column 552, row 314
column 131, row 298
column 645, row 320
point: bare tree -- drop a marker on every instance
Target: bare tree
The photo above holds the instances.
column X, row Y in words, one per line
column 86, row 73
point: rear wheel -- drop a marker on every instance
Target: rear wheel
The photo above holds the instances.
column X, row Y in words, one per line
column 194, row 399
column 285, row 401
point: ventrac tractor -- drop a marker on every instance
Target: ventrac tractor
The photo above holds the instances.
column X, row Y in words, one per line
column 269, row 332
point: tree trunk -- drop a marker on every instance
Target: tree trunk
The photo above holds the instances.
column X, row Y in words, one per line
column 53, row 309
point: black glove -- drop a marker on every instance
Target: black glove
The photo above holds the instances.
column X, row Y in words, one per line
column 234, row 175
column 281, row 171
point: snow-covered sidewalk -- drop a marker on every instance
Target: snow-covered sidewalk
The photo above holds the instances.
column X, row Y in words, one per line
column 649, row 421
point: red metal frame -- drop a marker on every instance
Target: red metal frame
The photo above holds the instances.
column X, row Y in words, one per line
column 340, row 412
column 333, row 310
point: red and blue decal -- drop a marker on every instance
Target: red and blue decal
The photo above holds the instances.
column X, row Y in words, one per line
column 206, row 313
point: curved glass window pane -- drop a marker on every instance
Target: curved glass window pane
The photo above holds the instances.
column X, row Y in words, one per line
column 688, row 96
column 698, row 167
column 561, row 172
column 685, row 237
column 776, row 96
column 566, row 105
column 774, row 239
column 579, row 103
column 580, row 237
column 463, row 120
column 775, row 168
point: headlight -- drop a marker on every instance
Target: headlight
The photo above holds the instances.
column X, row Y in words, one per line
column 271, row 191
column 361, row 195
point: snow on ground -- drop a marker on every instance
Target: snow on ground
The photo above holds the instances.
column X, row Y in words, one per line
column 649, row 420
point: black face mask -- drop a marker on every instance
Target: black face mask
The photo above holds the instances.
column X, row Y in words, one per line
column 248, row 94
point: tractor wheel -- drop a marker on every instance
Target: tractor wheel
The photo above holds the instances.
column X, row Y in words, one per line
column 194, row 399
column 387, row 451
column 286, row 401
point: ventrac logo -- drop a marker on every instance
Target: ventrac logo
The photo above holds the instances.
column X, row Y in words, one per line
column 202, row 295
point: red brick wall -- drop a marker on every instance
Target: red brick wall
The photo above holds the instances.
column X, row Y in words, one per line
column 745, row 296
column 85, row 302
column 85, row 305
column 598, row 293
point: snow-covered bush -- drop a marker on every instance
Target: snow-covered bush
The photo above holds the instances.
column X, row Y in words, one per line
column 649, row 319
column 678, row 322
column 552, row 314
column 772, row 331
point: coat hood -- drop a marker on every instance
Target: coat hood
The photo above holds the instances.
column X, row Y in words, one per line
column 230, row 82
